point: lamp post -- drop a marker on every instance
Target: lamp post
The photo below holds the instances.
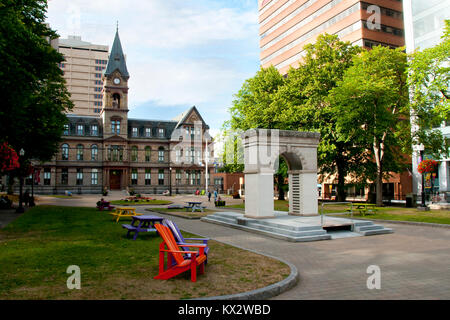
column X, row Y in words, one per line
column 170, row 181
column 423, row 182
column 20, row 209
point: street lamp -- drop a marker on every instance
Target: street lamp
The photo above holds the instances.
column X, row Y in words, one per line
column 20, row 209
column 170, row 181
column 423, row 182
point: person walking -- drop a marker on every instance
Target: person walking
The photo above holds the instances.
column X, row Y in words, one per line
column 209, row 196
column 215, row 195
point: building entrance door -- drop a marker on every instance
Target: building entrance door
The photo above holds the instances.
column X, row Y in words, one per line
column 115, row 177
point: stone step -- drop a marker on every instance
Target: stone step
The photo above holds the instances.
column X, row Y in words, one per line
column 221, row 218
column 285, row 226
column 293, row 233
column 367, row 228
column 377, row 231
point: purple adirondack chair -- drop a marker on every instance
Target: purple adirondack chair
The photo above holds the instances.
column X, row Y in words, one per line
column 179, row 237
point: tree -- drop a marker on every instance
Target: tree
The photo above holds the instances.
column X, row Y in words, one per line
column 253, row 107
column 428, row 80
column 33, row 88
column 300, row 102
column 373, row 111
column 305, row 95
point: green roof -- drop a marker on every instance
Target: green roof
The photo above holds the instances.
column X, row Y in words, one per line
column 117, row 59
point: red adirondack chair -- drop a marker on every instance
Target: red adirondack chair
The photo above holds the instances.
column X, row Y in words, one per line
column 174, row 252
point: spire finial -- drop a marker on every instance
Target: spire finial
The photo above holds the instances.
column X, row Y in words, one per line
column 117, row 25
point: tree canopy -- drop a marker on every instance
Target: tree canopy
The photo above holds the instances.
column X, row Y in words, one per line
column 33, row 88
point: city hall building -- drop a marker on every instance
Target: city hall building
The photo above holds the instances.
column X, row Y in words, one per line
column 109, row 150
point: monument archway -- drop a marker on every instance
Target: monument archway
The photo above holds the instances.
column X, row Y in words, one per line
column 262, row 148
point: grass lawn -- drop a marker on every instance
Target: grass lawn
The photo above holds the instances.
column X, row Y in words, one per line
column 37, row 248
column 384, row 213
column 279, row 205
column 132, row 202
column 182, row 212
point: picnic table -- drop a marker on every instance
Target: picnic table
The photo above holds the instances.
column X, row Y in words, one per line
column 143, row 223
column 194, row 205
column 121, row 212
column 364, row 208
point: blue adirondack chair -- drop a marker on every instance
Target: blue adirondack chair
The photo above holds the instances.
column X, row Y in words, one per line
column 180, row 239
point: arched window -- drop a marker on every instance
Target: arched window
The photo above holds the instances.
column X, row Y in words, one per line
column 80, row 150
column 148, row 153
column 134, row 153
column 94, row 152
column 65, row 151
column 161, row 154
column 116, row 100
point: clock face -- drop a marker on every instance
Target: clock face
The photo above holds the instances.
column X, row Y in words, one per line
column 116, row 80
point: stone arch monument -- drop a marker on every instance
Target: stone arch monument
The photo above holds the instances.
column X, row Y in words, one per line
column 262, row 148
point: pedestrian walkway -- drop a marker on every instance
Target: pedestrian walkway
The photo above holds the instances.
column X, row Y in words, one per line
column 413, row 261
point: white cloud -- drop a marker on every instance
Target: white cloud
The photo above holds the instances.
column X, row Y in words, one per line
column 155, row 23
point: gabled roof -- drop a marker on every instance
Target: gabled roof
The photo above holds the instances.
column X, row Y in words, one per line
column 181, row 118
column 116, row 59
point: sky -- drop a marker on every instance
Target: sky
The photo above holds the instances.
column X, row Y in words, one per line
column 179, row 53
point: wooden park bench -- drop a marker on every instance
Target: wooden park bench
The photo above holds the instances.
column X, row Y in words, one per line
column 176, row 261
column 121, row 212
column 105, row 206
column 364, row 208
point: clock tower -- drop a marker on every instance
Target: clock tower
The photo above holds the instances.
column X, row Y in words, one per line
column 115, row 93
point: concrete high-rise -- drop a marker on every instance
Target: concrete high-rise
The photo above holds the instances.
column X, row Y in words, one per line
column 286, row 26
column 83, row 67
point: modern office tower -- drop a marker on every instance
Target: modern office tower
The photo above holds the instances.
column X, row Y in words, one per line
column 83, row 67
column 286, row 26
column 424, row 26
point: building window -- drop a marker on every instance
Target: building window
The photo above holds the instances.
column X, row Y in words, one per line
column 134, row 176
column 79, row 177
column 115, row 153
column 134, row 153
column 134, row 132
column 94, row 176
column 178, row 155
column 115, row 126
column 161, row 154
column 98, row 75
column 80, row 129
column 64, row 176
column 148, row 132
column 80, row 150
column 161, row 133
column 178, row 177
column 148, row 177
column 94, row 130
column 66, row 130
column 148, row 153
column 192, row 154
column 94, row 152
column 65, row 152
column 199, row 177
column 47, row 176
column 161, row 177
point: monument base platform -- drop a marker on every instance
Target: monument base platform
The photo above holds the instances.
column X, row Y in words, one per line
column 299, row 228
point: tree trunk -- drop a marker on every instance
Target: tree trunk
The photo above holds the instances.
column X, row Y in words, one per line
column 341, row 190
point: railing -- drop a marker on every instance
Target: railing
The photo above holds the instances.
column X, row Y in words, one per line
column 333, row 203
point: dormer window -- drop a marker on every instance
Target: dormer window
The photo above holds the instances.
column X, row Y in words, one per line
column 161, row 132
column 148, row 132
column 66, row 130
column 94, row 130
column 80, row 129
column 134, row 132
